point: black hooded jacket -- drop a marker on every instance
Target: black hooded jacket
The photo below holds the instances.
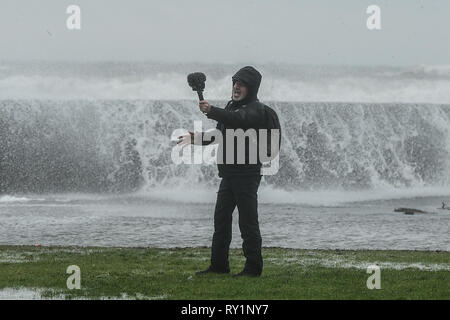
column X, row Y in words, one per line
column 245, row 114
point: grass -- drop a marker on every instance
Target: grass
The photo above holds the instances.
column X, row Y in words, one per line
column 153, row 273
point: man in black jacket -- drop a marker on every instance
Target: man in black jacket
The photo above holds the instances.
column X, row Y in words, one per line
column 240, row 182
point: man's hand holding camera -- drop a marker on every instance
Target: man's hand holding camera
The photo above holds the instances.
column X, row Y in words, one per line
column 204, row 105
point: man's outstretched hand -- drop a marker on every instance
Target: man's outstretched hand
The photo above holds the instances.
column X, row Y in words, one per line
column 204, row 106
column 186, row 139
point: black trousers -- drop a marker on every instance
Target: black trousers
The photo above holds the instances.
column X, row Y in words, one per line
column 241, row 192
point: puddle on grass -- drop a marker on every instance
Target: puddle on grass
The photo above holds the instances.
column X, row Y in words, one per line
column 37, row 294
column 330, row 261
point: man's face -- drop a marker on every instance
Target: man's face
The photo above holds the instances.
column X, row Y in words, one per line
column 239, row 91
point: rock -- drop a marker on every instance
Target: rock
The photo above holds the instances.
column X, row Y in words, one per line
column 409, row 210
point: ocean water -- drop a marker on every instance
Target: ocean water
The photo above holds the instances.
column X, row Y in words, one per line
column 85, row 156
column 131, row 221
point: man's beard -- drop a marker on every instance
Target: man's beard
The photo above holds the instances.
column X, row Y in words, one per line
column 240, row 97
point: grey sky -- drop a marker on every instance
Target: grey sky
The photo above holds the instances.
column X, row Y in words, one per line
column 231, row 31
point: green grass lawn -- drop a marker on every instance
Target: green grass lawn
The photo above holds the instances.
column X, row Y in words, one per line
column 152, row 273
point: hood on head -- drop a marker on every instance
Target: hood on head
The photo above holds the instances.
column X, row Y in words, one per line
column 252, row 79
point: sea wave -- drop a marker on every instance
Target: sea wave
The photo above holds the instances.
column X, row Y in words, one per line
column 273, row 195
column 268, row 194
column 418, row 84
column 14, row 199
column 121, row 145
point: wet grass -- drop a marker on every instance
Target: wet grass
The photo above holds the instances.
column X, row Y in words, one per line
column 152, row 273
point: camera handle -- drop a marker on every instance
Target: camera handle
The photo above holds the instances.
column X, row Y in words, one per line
column 200, row 95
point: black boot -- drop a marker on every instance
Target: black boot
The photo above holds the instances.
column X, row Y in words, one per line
column 245, row 273
column 211, row 270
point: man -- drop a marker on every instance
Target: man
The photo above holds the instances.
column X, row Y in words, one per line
column 240, row 182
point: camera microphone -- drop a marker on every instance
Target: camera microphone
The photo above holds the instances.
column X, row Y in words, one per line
column 196, row 81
